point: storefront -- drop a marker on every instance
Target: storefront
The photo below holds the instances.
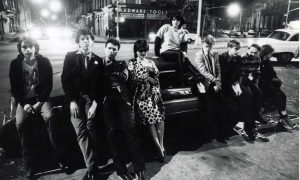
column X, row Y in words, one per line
column 139, row 21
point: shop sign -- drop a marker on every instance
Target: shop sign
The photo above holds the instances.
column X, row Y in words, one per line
column 143, row 13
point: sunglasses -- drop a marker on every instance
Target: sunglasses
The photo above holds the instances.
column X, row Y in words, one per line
column 142, row 50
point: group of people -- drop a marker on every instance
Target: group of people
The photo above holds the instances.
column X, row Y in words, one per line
column 124, row 95
column 95, row 88
column 238, row 86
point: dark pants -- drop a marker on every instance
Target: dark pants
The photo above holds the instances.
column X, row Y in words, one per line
column 277, row 96
column 85, row 131
column 245, row 103
column 25, row 132
column 257, row 97
column 213, row 103
column 174, row 56
column 117, row 115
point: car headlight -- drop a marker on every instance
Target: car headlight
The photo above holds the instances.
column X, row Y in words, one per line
column 151, row 36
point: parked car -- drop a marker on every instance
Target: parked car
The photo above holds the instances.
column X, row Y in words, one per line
column 236, row 34
column 251, row 33
column 180, row 99
column 285, row 43
column 190, row 36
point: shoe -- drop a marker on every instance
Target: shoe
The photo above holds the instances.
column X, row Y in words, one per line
column 126, row 176
column 141, row 175
column 66, row 168
column 29, row 173
column 89, row 176
column 161, row 159
column 260, row 137
column 287, row 123
column 251, row 135
column 241, row 132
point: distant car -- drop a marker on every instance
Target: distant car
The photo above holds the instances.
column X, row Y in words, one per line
column 285, row 43
column 250, row 33
column 236, row 34
column 190, row 36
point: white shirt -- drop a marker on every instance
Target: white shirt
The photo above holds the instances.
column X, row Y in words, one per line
column 172, row 38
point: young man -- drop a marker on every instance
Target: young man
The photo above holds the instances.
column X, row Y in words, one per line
column 31, row 84
column 237, row 99
column 81, row 79
column 250, row 69
column 117, row 113
column 270, row 85
column 207, row 61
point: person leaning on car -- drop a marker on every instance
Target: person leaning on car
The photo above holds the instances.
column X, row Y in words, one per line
column 207, row 61
column 270, row 85
column 81, row 81
column 31, row 83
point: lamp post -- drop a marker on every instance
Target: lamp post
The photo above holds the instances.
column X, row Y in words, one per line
column 232, row 10
column 198, row 40
column 117, row 19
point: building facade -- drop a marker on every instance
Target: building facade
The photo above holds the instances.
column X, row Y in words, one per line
column 9, row 17
column 268, row 15
column 137, row 18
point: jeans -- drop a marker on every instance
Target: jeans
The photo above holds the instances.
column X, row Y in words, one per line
column 117, row 115
column 85, row 132
column 24, row 125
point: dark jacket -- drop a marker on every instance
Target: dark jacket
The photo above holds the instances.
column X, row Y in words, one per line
column 77, row 81
column 44, row 87
column 267, row 72
column 115, row 73
column 230, row 70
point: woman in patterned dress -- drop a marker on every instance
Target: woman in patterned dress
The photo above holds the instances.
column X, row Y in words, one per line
column 147, row 103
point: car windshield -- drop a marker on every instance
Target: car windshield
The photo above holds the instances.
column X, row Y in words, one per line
column 280, row 35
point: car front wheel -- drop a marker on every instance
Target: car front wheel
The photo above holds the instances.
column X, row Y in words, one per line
column 284, row 57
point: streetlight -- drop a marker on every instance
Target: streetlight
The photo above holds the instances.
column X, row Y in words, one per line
column 232, row 10
column 45, row 13
column 56, row 6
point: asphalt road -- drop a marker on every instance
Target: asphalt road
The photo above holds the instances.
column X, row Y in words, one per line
column 277, row 159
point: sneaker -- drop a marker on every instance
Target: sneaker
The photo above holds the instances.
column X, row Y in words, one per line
column 241, row 132
column 141, row 175
column 259, row 136
column 287, row 123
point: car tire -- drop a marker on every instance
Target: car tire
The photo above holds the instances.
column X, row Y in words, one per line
column 189, row 40
column 284, row 57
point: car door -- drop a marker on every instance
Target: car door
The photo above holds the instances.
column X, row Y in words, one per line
column 179, row 97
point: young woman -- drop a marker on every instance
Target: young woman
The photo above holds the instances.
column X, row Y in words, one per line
column 171, row 42
column 147, row 103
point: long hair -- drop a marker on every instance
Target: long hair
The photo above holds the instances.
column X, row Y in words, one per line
column 179, row 17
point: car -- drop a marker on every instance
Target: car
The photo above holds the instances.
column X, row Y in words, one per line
column 251, row 33
column 285, row 43
column 190, row 36
column 236, row 34
column 180, row 99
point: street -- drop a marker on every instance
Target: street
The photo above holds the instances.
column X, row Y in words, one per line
column 277, row 159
